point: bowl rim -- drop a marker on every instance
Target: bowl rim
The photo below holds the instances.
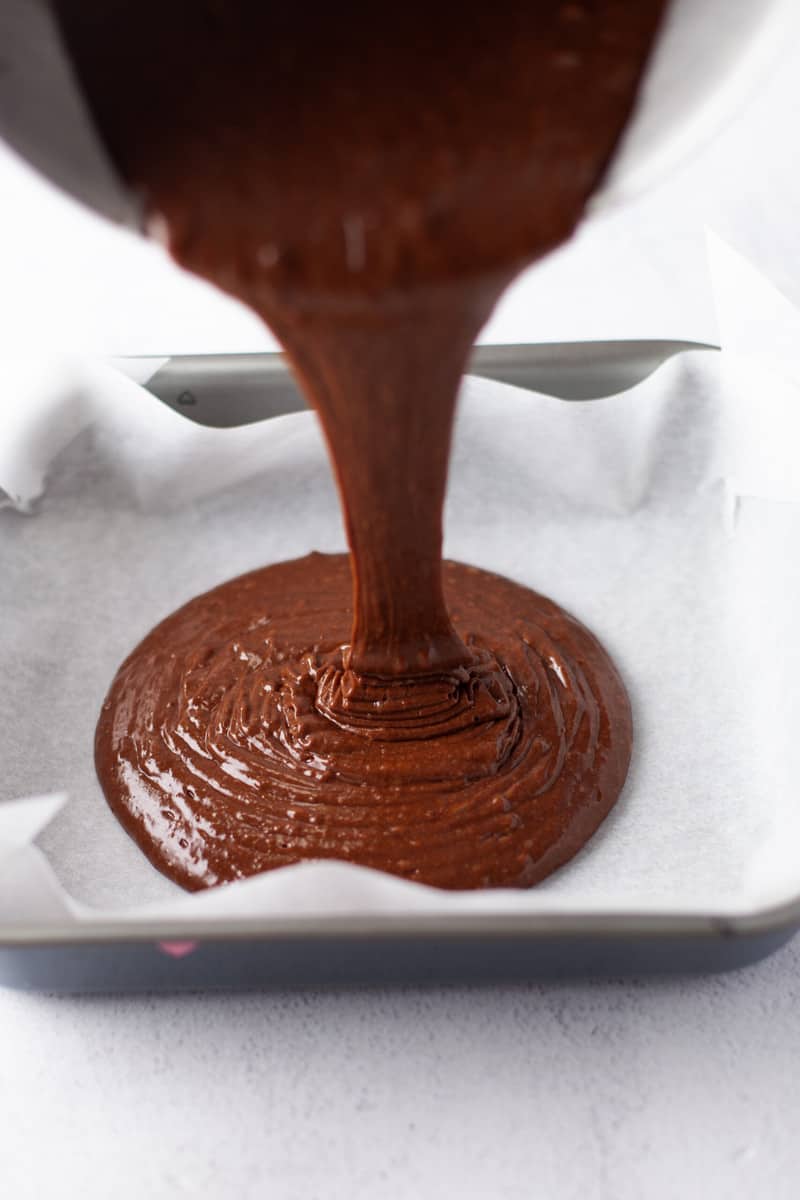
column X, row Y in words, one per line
column 669, row 124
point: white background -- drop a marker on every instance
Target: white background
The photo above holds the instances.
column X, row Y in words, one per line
column 614, row 1089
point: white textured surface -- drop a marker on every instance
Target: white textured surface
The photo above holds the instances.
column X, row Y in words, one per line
column 616, row 1090
column 605, row 1091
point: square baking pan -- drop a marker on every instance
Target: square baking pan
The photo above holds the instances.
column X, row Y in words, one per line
column 388, row 948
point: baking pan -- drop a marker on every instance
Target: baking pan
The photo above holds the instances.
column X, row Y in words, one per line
column 236, row 389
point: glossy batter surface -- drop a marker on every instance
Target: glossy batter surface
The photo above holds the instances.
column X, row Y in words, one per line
column 234, row 740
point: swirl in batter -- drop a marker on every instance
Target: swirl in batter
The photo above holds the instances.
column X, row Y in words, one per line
column 235, row 738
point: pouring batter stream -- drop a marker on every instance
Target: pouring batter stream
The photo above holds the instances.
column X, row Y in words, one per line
column 369, row 182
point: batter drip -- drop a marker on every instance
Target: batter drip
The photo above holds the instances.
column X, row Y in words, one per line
column 369, row 181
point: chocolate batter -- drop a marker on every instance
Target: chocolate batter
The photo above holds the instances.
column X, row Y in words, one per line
column 368, row 178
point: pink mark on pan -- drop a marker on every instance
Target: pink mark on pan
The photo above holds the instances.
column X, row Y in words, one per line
column 177, row 949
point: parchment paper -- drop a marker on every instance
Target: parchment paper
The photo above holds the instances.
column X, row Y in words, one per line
column 666, row 518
